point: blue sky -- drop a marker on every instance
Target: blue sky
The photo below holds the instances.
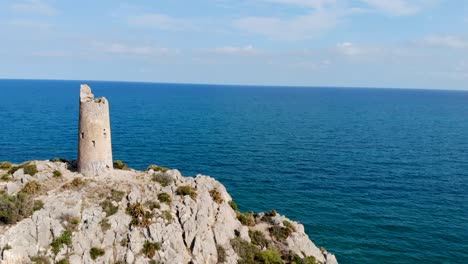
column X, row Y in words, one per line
column 360, row 43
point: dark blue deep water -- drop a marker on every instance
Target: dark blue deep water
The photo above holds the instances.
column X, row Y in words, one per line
column 375, row 175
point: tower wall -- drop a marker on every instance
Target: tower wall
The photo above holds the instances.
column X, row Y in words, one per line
column 94, row 135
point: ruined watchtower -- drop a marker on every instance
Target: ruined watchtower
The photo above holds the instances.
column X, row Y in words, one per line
column 94, row 135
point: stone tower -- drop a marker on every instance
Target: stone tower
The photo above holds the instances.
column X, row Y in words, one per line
column 94, row 135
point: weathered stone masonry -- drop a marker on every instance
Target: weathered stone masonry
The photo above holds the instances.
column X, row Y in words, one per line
column 94, row 135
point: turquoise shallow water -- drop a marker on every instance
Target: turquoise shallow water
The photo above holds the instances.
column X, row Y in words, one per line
column 375, row 175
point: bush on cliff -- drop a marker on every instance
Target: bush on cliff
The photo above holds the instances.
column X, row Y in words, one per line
column 250, row 254
column 246, row 219
column 5, row 165
column 150, row 248
column 216, row 196
column 31, row 187
column 157, row 168
column 258, row 238
column 164, row 198
column 30, row 169
column 14, row 208
column 118, row 164
column 163, row 179
column 186, row 190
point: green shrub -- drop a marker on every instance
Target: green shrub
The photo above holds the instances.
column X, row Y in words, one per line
column 108, row 207
column 269, row 257
column 118, row 164
column 140, row 216
column 40, row 260
column 57, row 173
column 165, row 198
column 157, row 168
column 105, row 225
column 63, row 261
column 246, row 219
column 14, row 208
column 186, row 190
column 59, row 160
column 289, row 226
column 117, row 195
column 31, row 187
column 64, row 240
column 258, row 238
column 75, row 184
column 5, row 165
column 30, row 169
column 152, row 205
column 149, row 248
column 166, row 214
column 38, row 205
column 280, row 233
column 233, row 205
column 6, row 177
column 163, row 179
column 244, row 250
column 216, row 196
column 268, row 216
column 295, row 259
column 96, row 253
column 13, row 169
column 221, row 254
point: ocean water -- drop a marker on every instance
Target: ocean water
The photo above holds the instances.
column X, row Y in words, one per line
column 375, row 175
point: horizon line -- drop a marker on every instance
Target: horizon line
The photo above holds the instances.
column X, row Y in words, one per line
column 246, row 85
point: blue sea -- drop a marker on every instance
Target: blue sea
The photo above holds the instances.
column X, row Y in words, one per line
column 375, row 175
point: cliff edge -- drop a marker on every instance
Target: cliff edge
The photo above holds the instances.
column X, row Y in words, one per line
column 49, row 213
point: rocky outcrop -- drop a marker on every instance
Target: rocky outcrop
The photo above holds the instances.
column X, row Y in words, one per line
column 155, row 216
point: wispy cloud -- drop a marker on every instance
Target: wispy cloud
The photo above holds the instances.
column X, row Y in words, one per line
column 235, row 50
column 400, row 7
column 447, row 41
column 297, row 27
column 34, row 7
column 161, row 22
column 125, row 49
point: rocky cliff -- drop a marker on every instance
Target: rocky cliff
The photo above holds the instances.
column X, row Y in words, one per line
column 49, row 213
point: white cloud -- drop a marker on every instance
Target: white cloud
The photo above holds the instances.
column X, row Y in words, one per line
column 307, row 3
column 34, row 7
column 125, row 49
column 400, row 7
column 447, row 41
column 298, row 27
column 160, row 21
column 237, row 50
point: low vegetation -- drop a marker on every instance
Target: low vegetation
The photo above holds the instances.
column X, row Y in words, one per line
column 280, row 233
column 71, row 222
column 31, row 187
column 61, row 160
column 258, row 238
column 233, row 205
column 151, row 205
column 157, row 168
column 64, row 240
column 216, row 196
column 268, row 216
column 246, row 219
column 75, row 184
column 186, row 190
column 140, row 215
column 165, row 198
column 166, row 214
column 150, row 248
column 40, row 259
column 120, row 165
column 250, row 254
column 5, row 165
column 30, row 169
column 96, row 253
column 221, row 254
column 57, row 173
column 163, row 179
column 14, row 208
